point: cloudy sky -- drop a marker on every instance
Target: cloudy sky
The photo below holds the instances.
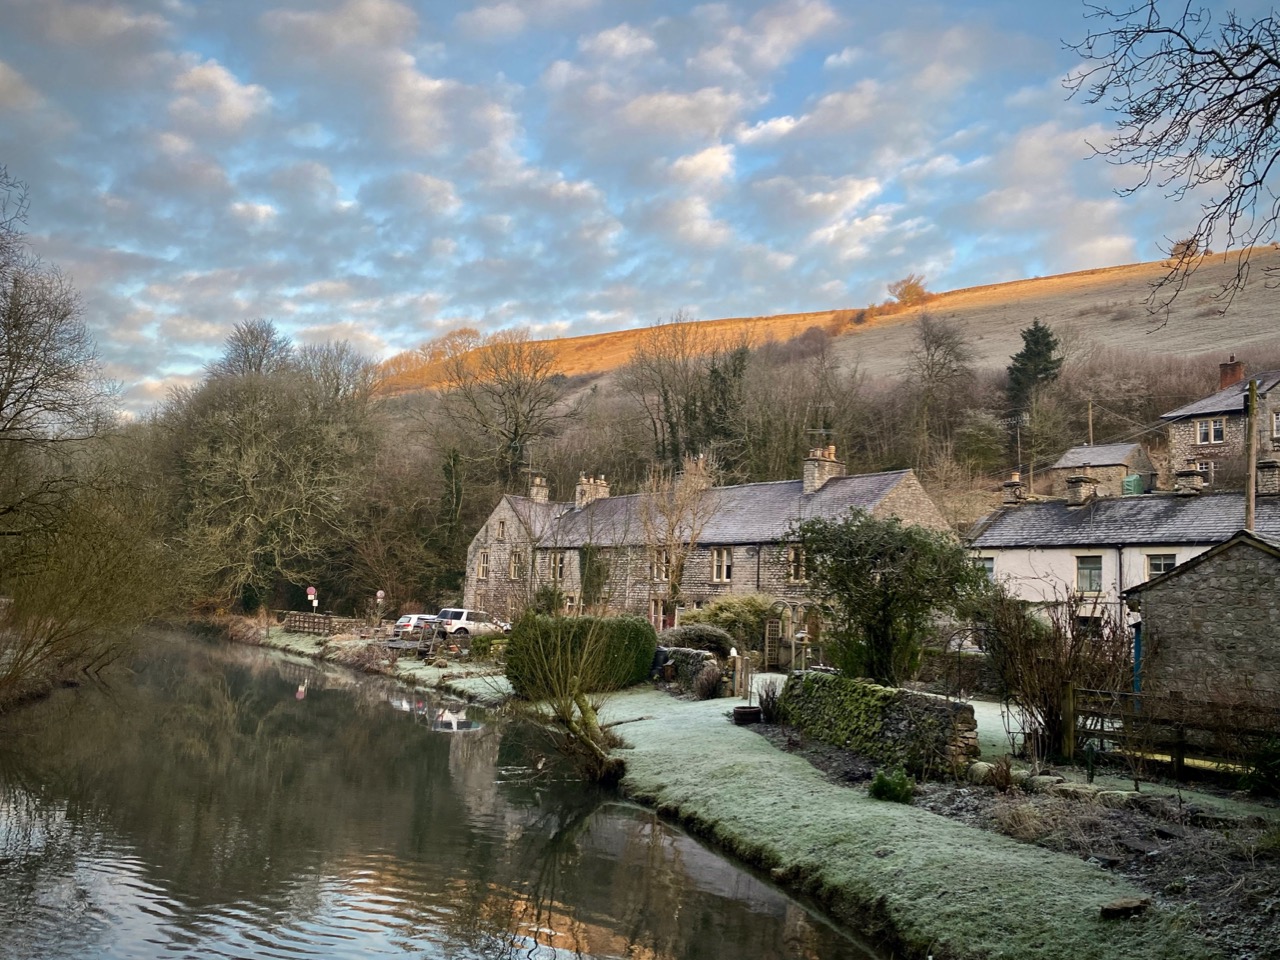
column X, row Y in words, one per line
column 384, row 171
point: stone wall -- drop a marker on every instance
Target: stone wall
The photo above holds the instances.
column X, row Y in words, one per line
column 1213, row 631
column 925, row 734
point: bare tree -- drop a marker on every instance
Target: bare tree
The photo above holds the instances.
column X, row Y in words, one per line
column 1196, row 109
column 509, row 392
column 674, row 509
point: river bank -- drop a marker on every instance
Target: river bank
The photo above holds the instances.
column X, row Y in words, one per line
column 917, row 883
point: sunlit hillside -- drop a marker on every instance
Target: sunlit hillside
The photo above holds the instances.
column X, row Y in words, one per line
column 1106, row 305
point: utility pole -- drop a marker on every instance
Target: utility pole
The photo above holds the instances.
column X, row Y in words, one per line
column 1251, row 454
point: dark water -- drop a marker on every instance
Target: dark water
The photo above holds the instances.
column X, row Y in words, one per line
column 213, row 801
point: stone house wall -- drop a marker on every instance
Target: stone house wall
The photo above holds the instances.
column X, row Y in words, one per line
column 1227, row 457
column 1213, row 631
column 909, row 502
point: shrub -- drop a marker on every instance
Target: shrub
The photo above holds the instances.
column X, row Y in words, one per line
column 706, row 685
column 1262, row 772
column 740, row 616
column 770, row 701
column 604, row 653
column 894, row 786
column 698, row 636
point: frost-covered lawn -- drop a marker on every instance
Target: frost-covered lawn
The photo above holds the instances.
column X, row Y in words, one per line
column 931, row 884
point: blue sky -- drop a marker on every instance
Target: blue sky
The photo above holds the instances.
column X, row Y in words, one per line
column 385, row 171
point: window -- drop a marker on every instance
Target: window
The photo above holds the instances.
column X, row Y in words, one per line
column 1210, row 431
column 1158, row 563
column 557, row 565
column 515, row 567
column 1089, row 574
column 660, row 566
column 482, row 566
column 502, row 529
column 795, row 564
column 987, row 565
column 1275, row 424
column 722, row 564
column 655, row 613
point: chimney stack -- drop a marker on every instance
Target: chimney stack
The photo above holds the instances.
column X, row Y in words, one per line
column 1268, row 478
column 820, row 466
column 1230, row 373
column 589, row 490
column 1080, row 490
column 1188, row 483
column 1014, row 489
column 538, row 492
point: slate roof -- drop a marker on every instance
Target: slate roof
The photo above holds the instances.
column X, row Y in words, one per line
column 1101, row 455
column 1108, row 521
column 746, row 513
column 1230, row 400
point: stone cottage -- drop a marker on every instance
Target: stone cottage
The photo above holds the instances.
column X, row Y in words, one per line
column 679, row 544
column 1209, row 434
column 1108, row 464
column 1211, row 626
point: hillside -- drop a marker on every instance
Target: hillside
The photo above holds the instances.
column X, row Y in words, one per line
column 1106, row 305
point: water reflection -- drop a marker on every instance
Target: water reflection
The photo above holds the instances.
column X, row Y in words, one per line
column 235, row 803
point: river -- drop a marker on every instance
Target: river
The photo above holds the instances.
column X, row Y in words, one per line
column 208, row 800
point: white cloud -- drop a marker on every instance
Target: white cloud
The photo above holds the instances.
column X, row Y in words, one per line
column 254, row 213
column 771, row 38
column 706, row 112
column 767, row 131
column 210, row 97
column 353, row 26
column 713, row 165
column 15, row 92
column 91, row 24
column 502, row 21
column 619, row 43
column 690, row 220
column 845, row 58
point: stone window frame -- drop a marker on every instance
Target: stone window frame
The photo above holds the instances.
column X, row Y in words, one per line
column 796, row 571
column 556, row 565
column 482, row 565
column 1275, row 424
column 1085, row 566
column 1211, row 431
column 515, row 565
column 502, row 529
column 660, row 565
column 1165, row 562
column 722, row 564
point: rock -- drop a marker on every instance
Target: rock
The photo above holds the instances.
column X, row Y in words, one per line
column 1171, row 831
column 1042, row 783
column 1125, row 907
column 980, row 772
column 1074, row 791
column 1118, row 799
column 441, row 663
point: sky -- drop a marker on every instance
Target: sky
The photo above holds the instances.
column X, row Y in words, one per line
column 385, row 171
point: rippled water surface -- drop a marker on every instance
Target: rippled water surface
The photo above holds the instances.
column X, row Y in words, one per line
column 213, row 801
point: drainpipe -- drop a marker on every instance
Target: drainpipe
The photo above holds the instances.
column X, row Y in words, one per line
column 759, row 550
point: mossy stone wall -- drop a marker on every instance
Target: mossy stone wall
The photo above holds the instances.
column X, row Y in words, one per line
column 925, row 734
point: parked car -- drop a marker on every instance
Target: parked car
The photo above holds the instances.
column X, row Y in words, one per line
column 460, row 622
column 422, row 624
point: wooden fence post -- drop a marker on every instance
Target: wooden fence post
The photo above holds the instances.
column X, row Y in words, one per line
column 1068, row 745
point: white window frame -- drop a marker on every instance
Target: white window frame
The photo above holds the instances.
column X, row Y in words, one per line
column 722, row 565
column 515, row 565
column 482, row 565
column 1091, row 569
column 1212, row 431
column 987, row 565
column 1162, row 558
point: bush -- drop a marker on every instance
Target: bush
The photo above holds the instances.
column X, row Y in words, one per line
column 698, row 636
column 740, row 616
column 1262, row 770
column 706, row 685
column 894, row 786
column 770, row 701
column 605, row 653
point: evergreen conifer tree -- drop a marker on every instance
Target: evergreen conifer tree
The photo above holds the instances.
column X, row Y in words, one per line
column 1037, row 363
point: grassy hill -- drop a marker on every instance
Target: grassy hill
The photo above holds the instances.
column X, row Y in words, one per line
column 1105, row 306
